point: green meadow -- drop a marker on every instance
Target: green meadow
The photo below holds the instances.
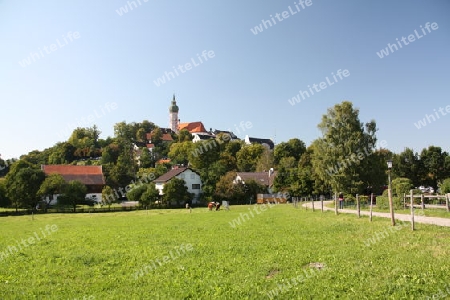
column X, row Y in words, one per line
column 279, row 252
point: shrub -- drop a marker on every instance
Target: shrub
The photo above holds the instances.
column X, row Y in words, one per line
column 349, row 199
column 445, row 186
column 383, row 202
column 401, row 186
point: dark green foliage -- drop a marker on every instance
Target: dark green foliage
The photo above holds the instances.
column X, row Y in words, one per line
column 73, row 194
column 401, row 186
column 22, row 184
column 445, row 186
column 176, row 191
column 4, row 200
column 383, row 202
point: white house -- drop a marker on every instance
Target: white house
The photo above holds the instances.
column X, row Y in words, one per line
column 190, row 177
column 201, row 136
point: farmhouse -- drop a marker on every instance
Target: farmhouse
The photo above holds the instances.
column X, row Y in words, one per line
column 91, row 176
column 190, row 177
column 263, row 178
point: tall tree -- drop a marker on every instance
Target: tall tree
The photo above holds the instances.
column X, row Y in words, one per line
column 248, row 156
column 141, row 135
column 407, row 164
column 292, row 148
column 305, row 184
column 184, row 136
column 227, row 190
column 22, row 184
column 52, row 185
column 434, row 161
column 73, row 194
column 346, row 143
column 4, row 200
column 124, row 171
column 62, row 153
column 146, row 158
column 150, row 195
column 110, row 153
column 179, row 152
column 108, row 196
column 265, row 161
column 176, row 191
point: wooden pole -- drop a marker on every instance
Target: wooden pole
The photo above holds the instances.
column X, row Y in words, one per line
column 447, row 198
column 358, row 208
column 371, row 206
column 412, row 209
column 422, row 201
column 391, row 205
column 335, row 204
column 321, row 203
column 312, row 200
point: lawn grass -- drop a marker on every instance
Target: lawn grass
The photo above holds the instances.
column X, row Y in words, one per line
column 99, row 256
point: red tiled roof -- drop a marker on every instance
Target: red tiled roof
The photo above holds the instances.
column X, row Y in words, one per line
column 165, row 136
column 192, row 127
column 88, row 175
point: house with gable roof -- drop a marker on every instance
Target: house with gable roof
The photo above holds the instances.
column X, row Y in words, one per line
column 190, row 177
column 264, row 178
column 91, row 176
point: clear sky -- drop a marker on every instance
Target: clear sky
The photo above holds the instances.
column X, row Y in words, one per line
column 65, row 64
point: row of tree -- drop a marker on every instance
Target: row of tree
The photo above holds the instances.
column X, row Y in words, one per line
column 344, row 159
column 26, row 186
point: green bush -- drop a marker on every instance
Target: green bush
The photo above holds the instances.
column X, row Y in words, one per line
column 383, row 202
column 349, row 199
column 401, row 186
column 445, row 186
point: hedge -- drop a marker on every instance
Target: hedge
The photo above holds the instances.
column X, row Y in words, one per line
column 383, row 202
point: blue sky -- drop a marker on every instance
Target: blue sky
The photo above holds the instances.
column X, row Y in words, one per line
column 106, row 72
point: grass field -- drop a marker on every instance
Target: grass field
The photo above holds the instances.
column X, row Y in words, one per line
column 282, row 253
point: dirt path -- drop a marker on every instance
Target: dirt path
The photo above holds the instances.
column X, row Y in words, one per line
column 401, row 217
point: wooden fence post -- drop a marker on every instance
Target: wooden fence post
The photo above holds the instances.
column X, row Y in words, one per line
column 422, row 201
column 447, row 198
column 412, row 209
column 335, row 204
column 358, row 208
column 312, row 200
column 371, row 206
column 321, row 203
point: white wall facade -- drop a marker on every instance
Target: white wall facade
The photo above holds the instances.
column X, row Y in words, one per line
column 192, row 181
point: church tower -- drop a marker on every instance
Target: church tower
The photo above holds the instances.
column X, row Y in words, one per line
column 173, row 115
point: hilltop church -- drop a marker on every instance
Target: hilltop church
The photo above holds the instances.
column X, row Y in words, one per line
column 199, row 132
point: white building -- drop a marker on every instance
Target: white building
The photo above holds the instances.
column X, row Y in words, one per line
column 190, row 177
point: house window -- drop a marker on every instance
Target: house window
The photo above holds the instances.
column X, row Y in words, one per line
column 196, row 186
column 192, row 176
